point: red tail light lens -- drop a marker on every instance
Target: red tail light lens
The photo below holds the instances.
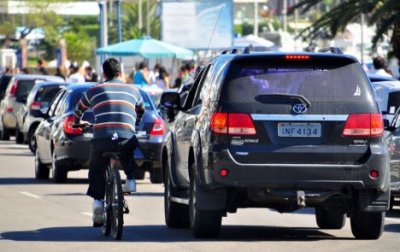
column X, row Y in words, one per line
column 363, row 125
column 158, row 128
column 13, row 89
column 35, row 105
column 240, row 124
column 232, row 124
column 68, row 122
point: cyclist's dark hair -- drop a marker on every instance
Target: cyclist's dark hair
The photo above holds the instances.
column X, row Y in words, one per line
column 111, row 68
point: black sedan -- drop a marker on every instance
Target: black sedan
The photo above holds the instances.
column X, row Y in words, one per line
column 64, row 149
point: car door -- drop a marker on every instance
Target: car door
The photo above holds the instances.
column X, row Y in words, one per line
column 44, row 129
column 185, row 123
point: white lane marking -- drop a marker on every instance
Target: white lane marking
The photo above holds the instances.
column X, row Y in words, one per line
column 393, row 220
column 31, row 195
column 87, row 214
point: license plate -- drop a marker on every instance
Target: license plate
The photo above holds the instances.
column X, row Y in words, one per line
column 299, row 129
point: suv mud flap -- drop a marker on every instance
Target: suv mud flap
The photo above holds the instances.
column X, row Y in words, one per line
column 211, row 200
column 370, row 201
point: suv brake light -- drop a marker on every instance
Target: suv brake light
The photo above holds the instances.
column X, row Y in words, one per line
column 68, row 122
column 35, row 105
column 363, row 125
column 232, row 124
column 158, row 128
column 13, row 89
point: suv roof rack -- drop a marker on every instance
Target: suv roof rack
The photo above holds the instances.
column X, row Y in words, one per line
column 332, row 49
column 237, row 50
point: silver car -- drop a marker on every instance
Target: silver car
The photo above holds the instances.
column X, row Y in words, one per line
column 14, row 103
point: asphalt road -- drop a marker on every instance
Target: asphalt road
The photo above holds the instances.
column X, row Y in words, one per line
column 43, row 216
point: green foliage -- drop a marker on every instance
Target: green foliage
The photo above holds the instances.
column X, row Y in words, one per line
column 130, row 23
column 80, row 46
column 382, row 13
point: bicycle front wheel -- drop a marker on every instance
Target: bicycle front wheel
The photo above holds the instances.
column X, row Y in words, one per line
column 117, row 210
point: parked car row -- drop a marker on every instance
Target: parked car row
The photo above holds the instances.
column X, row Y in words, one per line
column 38, row 109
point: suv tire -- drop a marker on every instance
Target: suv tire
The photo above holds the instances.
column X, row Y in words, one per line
column 5, row 133
column 204, row 223
column 367, row 226
column 176, row 215
column 156, row 175
column 19, row 137
column 139, row 173
column 59, row 172
column 32, row 139
column 327, row 219
column 41, row 170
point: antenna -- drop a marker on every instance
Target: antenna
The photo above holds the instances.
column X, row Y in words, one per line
column 212, row 34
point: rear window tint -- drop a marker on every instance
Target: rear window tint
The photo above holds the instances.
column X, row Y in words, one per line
column 24, row 87
column 318, row 84
column 47, row 93
column 393, row 102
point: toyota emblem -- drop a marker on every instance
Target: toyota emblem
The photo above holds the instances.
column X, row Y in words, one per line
column 299, row 108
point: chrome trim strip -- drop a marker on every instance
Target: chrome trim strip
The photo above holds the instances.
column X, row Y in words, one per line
column 297, row 165
column 180, row 201
column 284, row 117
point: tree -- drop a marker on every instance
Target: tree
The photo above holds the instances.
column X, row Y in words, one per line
column 130, row 23
column 382, row 13
column 40, row 14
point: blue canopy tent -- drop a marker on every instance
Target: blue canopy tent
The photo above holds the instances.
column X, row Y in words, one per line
column 145, row 47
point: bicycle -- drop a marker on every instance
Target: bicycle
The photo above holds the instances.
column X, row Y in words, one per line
column 115, row 205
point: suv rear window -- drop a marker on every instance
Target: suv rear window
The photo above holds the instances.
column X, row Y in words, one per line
column 319, row 83
column 24, row 87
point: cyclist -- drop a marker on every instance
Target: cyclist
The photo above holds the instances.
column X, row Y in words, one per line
column 116, row 107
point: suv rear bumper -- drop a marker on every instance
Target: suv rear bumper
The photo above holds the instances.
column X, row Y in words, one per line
column 301, row 176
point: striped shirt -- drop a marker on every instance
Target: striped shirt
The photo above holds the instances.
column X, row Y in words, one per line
column 114, row 105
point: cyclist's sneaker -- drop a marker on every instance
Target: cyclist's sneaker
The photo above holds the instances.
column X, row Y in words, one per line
column 98, row 207
column 130, row 186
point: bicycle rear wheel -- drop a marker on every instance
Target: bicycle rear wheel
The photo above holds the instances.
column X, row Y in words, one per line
column 117, row 210
column 106, row 228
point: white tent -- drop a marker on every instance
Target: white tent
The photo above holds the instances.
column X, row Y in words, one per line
column 258, row 44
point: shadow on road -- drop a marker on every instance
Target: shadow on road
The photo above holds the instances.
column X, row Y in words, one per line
column 160, row 233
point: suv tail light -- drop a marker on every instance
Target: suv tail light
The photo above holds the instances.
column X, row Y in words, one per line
column 68, row 122
column 13, row 90
column 35, row 105
column 363, row 125
column 158, row 128
column 232, row 124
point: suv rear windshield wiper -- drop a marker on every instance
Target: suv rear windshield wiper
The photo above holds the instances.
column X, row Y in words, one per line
column 282, row 99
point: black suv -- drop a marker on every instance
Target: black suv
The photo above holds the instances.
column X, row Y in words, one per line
column 277, row 130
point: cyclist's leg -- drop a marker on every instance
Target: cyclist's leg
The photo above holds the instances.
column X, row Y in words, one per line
column 97, row 167
column 127, row 146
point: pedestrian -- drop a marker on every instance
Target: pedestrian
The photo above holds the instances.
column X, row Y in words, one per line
column 76, row 76
column 40, row 67
column 153, row 75
column 163, row 78
column 59, row 72
column 142, row 75
column 381, row 67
